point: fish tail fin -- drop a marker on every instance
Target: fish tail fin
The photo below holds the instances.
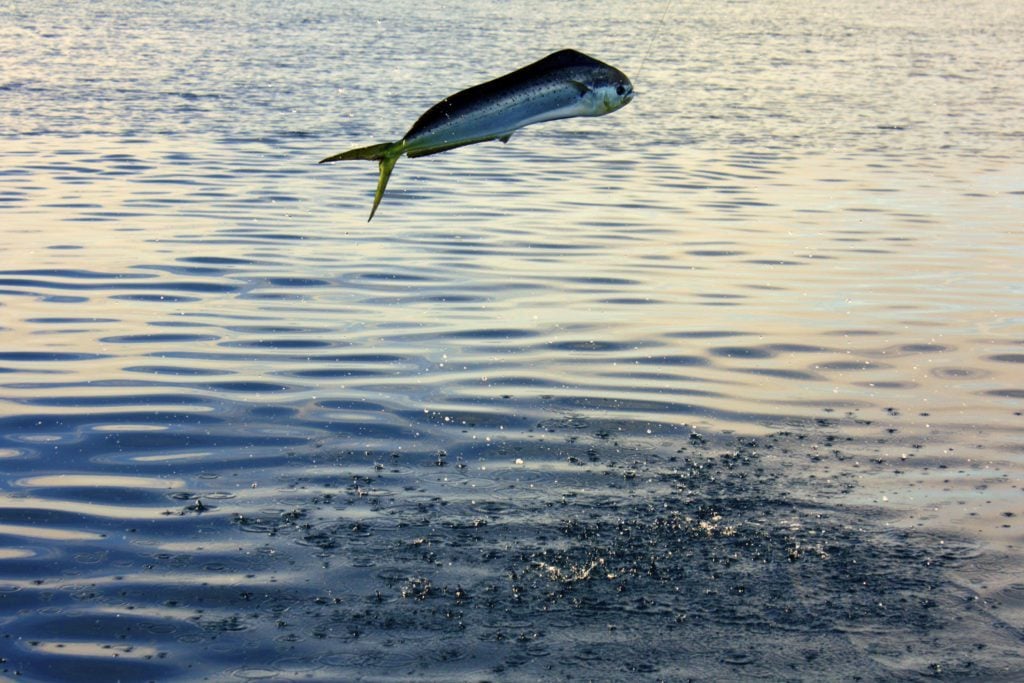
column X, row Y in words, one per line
column 386, row 153
column 372, row 152
column 387, row 163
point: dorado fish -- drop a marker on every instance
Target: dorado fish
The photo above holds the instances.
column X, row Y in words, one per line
column 560, row 86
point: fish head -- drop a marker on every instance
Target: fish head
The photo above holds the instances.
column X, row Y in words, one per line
column 611, row 90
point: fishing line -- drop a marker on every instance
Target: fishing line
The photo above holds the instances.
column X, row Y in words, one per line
column 657, row 32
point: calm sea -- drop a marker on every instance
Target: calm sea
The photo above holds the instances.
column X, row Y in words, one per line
column 728, row 384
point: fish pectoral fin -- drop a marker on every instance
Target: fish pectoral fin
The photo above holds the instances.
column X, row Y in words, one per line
column 506, row 138
column 582, row 87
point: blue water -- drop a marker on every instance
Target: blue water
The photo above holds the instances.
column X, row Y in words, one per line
column 724, row 385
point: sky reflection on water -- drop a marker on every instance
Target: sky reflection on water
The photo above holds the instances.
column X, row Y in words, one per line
column 738, row 363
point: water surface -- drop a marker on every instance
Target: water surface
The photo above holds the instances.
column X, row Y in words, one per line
column 726, row 384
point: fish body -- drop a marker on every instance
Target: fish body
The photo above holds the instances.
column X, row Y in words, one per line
column 563, row 85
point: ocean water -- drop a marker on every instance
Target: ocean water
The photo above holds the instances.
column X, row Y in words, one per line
column 728, row 384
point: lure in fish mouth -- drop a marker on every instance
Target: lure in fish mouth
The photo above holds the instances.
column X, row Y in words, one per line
column 563, row 85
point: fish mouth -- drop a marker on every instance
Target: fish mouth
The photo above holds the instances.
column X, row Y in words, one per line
column 627, row 97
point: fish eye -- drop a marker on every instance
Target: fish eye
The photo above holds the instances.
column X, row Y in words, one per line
column 620, row 90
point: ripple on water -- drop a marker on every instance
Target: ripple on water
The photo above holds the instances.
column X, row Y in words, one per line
column 152, row 400
column 743, row 352
column 784, row 373
column 249, row 387
column 158, row 338
column 503, row 334
column 100, row 481
column 64, row 642
column 1006, row 393
column 957, row 373
column 49, row 356
column 278, row 344
column 852, row 365
column 156, row 298
column 669, row 360
column 591, row 346
column 1007, row 357
column 332, row 373
column 177, row 370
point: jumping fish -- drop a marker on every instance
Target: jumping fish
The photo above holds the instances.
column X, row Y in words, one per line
column 564, row 84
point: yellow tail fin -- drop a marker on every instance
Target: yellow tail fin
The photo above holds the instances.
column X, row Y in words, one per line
column 386, row 152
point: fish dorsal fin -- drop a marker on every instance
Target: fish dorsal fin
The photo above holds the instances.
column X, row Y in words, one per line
column 569, row 58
